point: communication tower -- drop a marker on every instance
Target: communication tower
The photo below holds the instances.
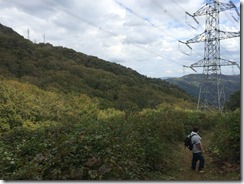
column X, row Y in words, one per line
column 28, row 34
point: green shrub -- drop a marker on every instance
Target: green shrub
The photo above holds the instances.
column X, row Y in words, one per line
column 51, row 136
column 225, row 146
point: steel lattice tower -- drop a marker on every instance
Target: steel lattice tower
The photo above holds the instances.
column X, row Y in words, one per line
column 211, row 93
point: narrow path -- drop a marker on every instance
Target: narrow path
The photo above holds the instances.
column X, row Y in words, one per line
column 184, row 172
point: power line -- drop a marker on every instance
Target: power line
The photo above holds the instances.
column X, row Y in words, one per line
column 111, row 33
column 179, row 6
column 232, row 19
column 165, row 11
column 142, row 18
column 147, row 20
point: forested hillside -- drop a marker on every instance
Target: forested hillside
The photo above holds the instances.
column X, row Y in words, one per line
column 191, row 83
column 68, row 116
column 53, row 136
column 64, row 70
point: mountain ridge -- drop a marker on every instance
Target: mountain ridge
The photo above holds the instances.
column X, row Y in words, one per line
column 63, row 69
column 191, row 83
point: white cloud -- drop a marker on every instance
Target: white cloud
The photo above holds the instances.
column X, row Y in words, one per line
column 140, row 34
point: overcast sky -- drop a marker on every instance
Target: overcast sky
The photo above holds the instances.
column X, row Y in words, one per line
column 139, row 34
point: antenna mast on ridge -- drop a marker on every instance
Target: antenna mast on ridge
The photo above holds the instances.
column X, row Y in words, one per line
column 211, row 94
column 28, row 34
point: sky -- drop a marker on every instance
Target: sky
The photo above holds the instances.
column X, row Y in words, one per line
column 139, row 34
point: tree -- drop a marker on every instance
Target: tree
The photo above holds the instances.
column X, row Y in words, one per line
column 234, row 101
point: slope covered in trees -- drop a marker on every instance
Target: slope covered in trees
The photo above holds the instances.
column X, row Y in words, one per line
column 52, row 136
column 191, row 83
column 62, row 69
column 68, row 116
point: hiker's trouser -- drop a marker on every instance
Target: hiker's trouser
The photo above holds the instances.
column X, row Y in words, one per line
column 195, row 158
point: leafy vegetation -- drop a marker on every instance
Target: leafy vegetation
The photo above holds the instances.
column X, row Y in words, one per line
column 225, row 146
column 65, row 115
column 48, row 135
column 234, row 102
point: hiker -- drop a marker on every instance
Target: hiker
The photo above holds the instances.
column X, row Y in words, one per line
column 197, row 150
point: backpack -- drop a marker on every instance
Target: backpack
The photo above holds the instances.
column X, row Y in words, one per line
column 188, row 143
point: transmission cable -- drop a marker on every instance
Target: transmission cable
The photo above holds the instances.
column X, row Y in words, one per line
column 149, row 22
column 109, row 32
column 165, row 11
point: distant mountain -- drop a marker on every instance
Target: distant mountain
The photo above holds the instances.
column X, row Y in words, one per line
column 67, row 71
column 167, row 77
column 190, row 83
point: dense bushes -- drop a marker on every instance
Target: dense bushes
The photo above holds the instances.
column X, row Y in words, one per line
column 89, row 119
column 225, row 146
column 47, row 135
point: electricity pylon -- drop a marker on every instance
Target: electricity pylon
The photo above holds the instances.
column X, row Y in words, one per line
column 211, row 93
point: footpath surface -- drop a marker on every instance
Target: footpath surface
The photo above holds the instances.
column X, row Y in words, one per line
column 212, row 172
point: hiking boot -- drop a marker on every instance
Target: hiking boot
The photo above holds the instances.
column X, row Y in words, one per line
column 202, row 171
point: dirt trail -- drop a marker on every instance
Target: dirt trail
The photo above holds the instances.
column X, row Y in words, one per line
column 212, row 173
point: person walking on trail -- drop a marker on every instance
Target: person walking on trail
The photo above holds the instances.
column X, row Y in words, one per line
column 197, row 150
